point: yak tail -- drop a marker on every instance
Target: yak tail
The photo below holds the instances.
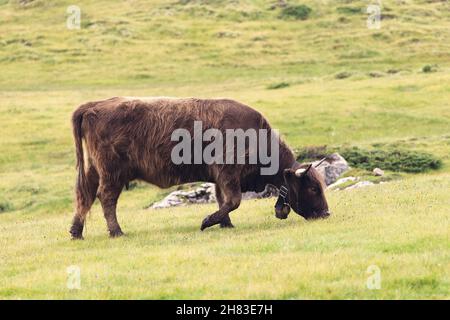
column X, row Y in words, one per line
column 82, row 188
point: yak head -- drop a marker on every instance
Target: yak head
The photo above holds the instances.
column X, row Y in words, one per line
column 305, row 193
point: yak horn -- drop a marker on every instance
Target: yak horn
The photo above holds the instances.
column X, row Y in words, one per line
column 299, row 172
column 320, row 162
column 302, row 171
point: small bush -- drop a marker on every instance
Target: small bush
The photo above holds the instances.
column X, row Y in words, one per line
column 343, row 20
column 349, row 10
column 343, row 75
column 391, row 159
column 393, row 71
column 375, row 74
column 299, row 12
column 5, row 206
column 311, row 153
column 428, row 68
column 384, row 157
column 278, row 85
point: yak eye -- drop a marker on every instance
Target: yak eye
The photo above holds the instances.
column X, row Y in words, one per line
column 314, row 189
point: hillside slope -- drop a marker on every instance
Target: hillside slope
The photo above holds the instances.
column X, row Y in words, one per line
column 325, row 80
column 147, row 43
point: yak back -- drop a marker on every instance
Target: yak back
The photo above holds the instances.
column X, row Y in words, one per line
column 130, row 138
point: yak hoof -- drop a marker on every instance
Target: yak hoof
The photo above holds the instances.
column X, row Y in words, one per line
column 226, row 225
column 207, row 222
column 76, row 232
column 77, row 237
column 116, row 233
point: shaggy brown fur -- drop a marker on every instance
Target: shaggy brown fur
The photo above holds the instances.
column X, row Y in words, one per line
column 130, row 138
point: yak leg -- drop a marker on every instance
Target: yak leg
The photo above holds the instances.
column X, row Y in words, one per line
column 108, row 195
column 83, row 204
column 226, row 221
column 231, row 198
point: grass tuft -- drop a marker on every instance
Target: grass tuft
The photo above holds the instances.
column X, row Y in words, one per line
column 278, row 85
column 429, row 68
column 297, row 12
column 5, row 206
column 349, row 10
column 343, row 75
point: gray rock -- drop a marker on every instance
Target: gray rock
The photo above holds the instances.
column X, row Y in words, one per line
column 360, row 185
column 169, row 201
column 203, row 194
column 206, row 193
column 338, row 183
column 378, row 172
column 269, row 191
column 333, row 166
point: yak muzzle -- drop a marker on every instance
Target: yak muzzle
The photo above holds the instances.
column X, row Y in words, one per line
column 316, row 216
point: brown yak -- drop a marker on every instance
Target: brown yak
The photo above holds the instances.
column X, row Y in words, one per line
column 131, row 138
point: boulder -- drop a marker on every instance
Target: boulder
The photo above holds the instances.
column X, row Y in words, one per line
column 338, row 184
column 269, row 191
column 360, row 185
column 378, row 172
column 333, row 166
column 206, row 193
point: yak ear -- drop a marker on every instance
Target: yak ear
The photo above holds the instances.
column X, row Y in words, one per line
column 302, row 171
column 289, row 175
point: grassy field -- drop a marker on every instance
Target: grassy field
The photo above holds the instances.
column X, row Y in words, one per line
column 240, row 50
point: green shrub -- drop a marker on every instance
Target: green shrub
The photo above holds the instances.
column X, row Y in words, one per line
column 428, row 68
column 375, row 74
column 5, row 206
column 349, row 10
column 393, row 71
column 391, row 159
column 298, row 12
column 311, row 153
column 278, row 85
column 343, row 75
column 388, row 158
